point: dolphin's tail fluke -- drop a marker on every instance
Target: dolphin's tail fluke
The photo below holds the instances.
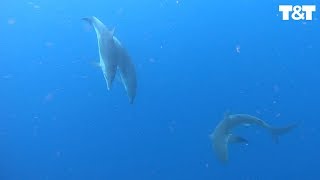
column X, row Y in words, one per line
column 276, row 132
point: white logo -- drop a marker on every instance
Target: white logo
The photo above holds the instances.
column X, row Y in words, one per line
column 303, row 12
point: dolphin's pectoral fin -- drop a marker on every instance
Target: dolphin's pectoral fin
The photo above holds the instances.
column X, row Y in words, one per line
column 109, row 83
column 237, row 139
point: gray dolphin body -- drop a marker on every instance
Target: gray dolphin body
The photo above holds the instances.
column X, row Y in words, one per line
column 222, row 135
column 127, row 72
column 113, row 56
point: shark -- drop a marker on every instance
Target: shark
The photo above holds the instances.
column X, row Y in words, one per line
column 222, row 135
column 114, row 57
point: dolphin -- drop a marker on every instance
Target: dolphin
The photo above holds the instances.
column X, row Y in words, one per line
column 107, row 49
column 222, row 135
column 113, row 56
column 127, row 71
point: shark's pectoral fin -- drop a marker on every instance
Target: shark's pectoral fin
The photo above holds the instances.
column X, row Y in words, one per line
column 237, row 139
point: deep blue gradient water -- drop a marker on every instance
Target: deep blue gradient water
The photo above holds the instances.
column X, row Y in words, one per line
column 195, row 60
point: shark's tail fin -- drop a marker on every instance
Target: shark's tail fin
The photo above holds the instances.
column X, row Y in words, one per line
column 276, row 132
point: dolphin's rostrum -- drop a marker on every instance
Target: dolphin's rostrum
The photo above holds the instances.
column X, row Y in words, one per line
column 222, row 135
column 113, row 56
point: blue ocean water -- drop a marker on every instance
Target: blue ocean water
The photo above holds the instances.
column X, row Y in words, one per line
column 195, row 60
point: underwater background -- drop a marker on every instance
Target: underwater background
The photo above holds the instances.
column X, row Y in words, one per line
column 195, row 60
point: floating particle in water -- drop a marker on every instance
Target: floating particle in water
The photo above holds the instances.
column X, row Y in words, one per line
column 7, row 76
column 172, row 126
column 171, row 129
column 48, row 44
column 152, row 60
column 83, row 76
column 48, row 98
column 36, row 6
column 276, row 88
column 309, row 46
column 11, row 21
column 58, row 154
column 120, row 11
column 32, row 4
column 207, row 165
column 35, row 130
column 238, row 48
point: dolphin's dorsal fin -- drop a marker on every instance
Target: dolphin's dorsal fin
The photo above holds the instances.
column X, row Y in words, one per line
column 112, row 31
